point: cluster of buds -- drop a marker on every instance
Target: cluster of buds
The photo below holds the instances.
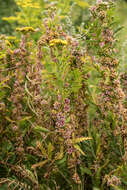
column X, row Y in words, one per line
column 67, row 105
column 111, row 96
column 113, row 180
column 60, row 122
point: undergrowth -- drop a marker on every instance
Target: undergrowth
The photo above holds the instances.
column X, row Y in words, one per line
column 63, row 110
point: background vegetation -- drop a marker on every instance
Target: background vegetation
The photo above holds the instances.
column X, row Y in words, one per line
column 63, row 95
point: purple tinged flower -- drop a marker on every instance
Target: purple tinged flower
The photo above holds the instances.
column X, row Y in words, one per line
column 55, row 59
column 67, row 101
column 93, row 58
column 66, row 84
column 56, row 105
column 60, row 116
column 16, row 51
column 109, row 32
column 101, row 44
column 20, row 149
column 99, row 1
column 67, row 108
column 70, row 150
column 93, row 8
column 15, row 128
column 60, row 123
column 44, row 102
column 68, row 134
column 59, row 97
column 60, row 120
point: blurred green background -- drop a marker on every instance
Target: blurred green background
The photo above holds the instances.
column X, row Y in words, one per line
column 79, row 14
column 7, row 8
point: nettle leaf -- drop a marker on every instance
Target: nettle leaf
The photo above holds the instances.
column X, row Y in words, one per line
column 63, row 160
column 4, row 81
column 60, row 154
column 41, row 147
column 2, row 55
column 81, row 139
column 77, row 147
column 31, row 175
column 50, row 150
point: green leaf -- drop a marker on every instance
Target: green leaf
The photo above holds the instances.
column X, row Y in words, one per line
column 50, row 150
column 40, row 129
column 25, row 118
column 77, row 147
column 85, row 170
column 81, row 139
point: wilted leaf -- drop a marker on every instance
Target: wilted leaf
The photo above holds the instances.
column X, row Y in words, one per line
column 40, row 164
column 8, row 119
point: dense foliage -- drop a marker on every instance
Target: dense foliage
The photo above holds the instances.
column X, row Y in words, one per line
column 63, row 116
column 7, row 8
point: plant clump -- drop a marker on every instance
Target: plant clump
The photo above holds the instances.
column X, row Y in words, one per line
column 62, row 107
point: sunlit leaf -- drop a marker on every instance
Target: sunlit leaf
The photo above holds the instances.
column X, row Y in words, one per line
column 50, row 150
column 77, row 147
column 81, row 139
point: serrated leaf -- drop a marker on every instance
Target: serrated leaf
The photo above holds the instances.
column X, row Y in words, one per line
column 2, row 56
column 81, row 139
column 60, row 154
column 60, row 162
column 4, row 81
column 31, row 175
column 77, row 147
column 50, row 150
column 43, row 150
